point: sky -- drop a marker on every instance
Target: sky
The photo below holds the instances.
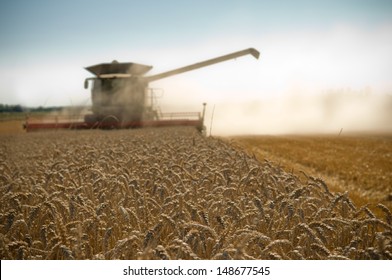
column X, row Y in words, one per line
column 309, row 49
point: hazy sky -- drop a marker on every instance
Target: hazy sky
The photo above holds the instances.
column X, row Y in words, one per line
column 306, row 47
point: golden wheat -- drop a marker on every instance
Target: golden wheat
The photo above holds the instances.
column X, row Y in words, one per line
column 170, row 194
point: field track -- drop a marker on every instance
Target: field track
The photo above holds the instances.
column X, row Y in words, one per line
column 170, row 194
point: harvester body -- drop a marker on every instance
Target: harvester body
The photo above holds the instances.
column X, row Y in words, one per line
column 121, row 98
column 119, row 95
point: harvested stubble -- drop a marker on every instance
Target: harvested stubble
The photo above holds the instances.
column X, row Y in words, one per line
column 170, row 194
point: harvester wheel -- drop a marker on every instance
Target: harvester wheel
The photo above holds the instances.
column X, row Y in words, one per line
column 109, row 122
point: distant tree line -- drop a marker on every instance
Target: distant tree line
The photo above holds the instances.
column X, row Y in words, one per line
column 5, row 108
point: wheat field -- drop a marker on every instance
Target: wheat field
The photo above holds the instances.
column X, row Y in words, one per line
column 171, row 194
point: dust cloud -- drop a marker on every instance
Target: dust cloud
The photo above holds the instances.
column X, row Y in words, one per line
column 331, row 112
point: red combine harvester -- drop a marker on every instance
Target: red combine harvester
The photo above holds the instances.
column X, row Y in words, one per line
column 121, row 98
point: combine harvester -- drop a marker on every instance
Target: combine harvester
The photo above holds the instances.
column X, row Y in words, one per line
column 120, row 98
